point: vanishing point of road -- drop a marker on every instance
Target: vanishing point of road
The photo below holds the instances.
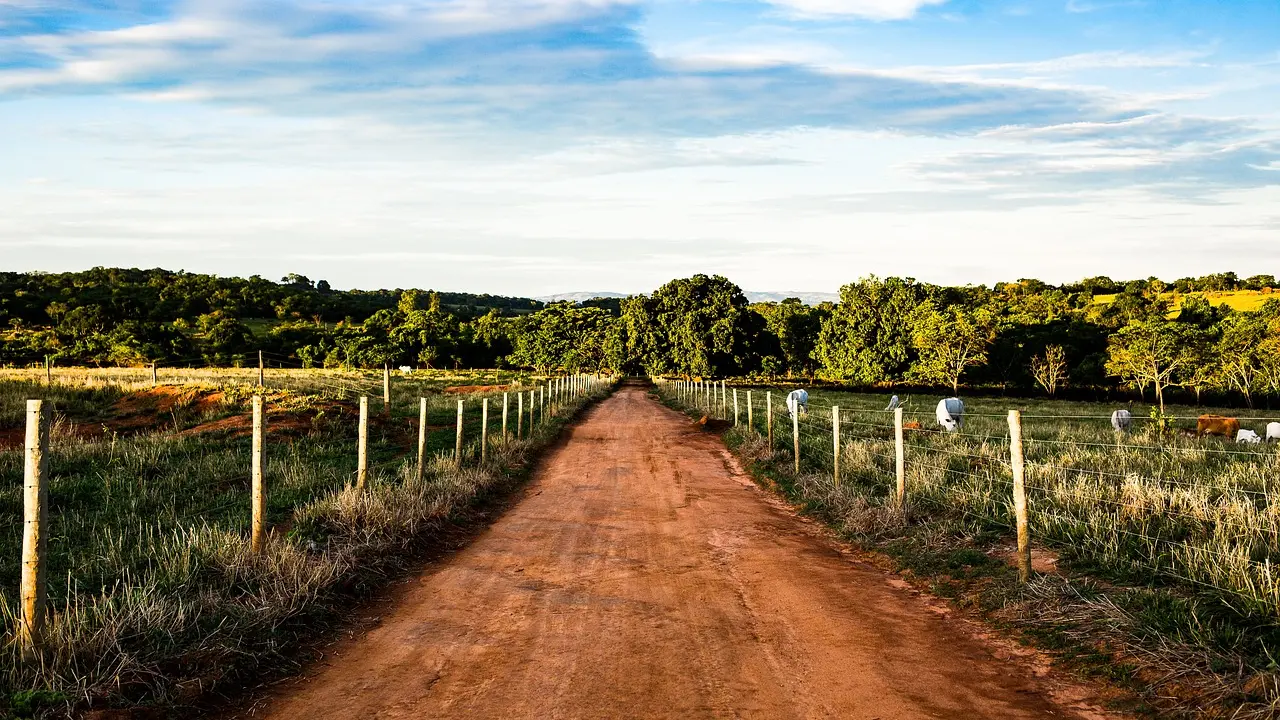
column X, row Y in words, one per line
column 643, row 575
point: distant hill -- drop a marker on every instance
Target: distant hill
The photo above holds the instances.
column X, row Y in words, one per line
column 808, row 298
column 579, row 296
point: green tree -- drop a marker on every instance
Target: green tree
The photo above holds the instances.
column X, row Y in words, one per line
column 949, row 341
column 1159, row 353
column 693, row 326
column 868, row 336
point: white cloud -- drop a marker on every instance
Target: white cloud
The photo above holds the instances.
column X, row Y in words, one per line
column 870, row 9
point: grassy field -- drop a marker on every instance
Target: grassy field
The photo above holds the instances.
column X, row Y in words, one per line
column 1248, row 300
column 1190, row 521
column 151, row 583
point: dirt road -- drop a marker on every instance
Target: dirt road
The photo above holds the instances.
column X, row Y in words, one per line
column 644, row 577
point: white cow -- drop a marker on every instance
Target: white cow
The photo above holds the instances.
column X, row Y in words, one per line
column 798, row 401
column 950, row 414
column 1247, row 436
column 893, row 403
column 1273, row 431
column 1121, row 420
column 406, row 369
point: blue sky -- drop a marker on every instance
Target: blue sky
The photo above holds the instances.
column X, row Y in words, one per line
column 538, row 146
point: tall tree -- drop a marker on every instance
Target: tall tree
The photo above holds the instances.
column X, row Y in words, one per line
column 1159, row 353
column 868, row 336
column 949, row 341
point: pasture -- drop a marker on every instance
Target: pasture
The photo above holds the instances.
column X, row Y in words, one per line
column 1146, row 503
column 149, row 507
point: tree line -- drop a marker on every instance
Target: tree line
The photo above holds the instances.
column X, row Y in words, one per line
column 1097, row 335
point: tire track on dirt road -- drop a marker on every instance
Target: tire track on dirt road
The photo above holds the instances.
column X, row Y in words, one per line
column 644, row 576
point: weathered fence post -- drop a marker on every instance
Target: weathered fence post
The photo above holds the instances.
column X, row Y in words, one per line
column 386, row 389
column 457, row 445
column 155, row 376
column 422, row 435
column 35, row 541
column 768, row 414
column 484, row 430
column 735, row 407
column 362, row 445
column 258, row 535
column 504, row 416
column 48, row 370
column 795, row 436
column 532, row 405
column 519, row 414
column 261, row 371
column 1019, row 495
column 900, row 456
column 835, row 444
column 750, row 424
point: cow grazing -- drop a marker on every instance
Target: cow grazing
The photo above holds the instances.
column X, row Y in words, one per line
column 893, row 403
column 1121, row 420
column 1247, row 436
column 406, row 369
column 1273, row 431
column 798, row 402
column 1217, row 425
column 950, row 414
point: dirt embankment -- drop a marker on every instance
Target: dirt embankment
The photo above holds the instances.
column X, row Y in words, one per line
column 644, row 576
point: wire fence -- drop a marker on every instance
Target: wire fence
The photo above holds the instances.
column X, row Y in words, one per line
column 1144, row 500
column 86, row 506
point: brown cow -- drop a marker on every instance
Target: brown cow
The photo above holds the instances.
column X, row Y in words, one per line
column 1217, row 425
column 913, row 425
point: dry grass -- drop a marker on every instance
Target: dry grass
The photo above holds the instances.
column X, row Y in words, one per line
column 155, row 607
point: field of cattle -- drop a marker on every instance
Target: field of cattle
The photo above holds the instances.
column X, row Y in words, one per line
column 1150, row 502
column 149, row 498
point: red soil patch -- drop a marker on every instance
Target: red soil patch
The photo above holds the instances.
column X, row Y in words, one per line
column 462, row 389
column 139, row 410
column 280, row 423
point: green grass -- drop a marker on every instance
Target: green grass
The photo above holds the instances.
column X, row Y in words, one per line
column 150, row 578
column 1182, row 530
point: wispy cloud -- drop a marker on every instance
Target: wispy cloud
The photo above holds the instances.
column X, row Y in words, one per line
column 870, row 9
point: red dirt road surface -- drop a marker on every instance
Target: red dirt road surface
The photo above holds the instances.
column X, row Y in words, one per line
column 644, row 576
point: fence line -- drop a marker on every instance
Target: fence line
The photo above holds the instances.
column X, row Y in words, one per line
column 551, row 399
column 1021, row 479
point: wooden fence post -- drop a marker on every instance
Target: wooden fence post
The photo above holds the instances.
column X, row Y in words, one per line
column 386, row 389
column 155, row 376
column 531, row 406
column 768, row 414
column 48, row 370
column 422, row 435
column 484, row 430
column 835, row 444
column 900, row 456
column 542, row 402
column 735, row 407
column 795, row 436
column 261, row 373
column 362, row 445
column 35, row 541
column 750, row 424
column 504, row 416
column 1019, row 495
column 519, row 414
column 258, row 535
column 457, row 442
column 457, row 445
